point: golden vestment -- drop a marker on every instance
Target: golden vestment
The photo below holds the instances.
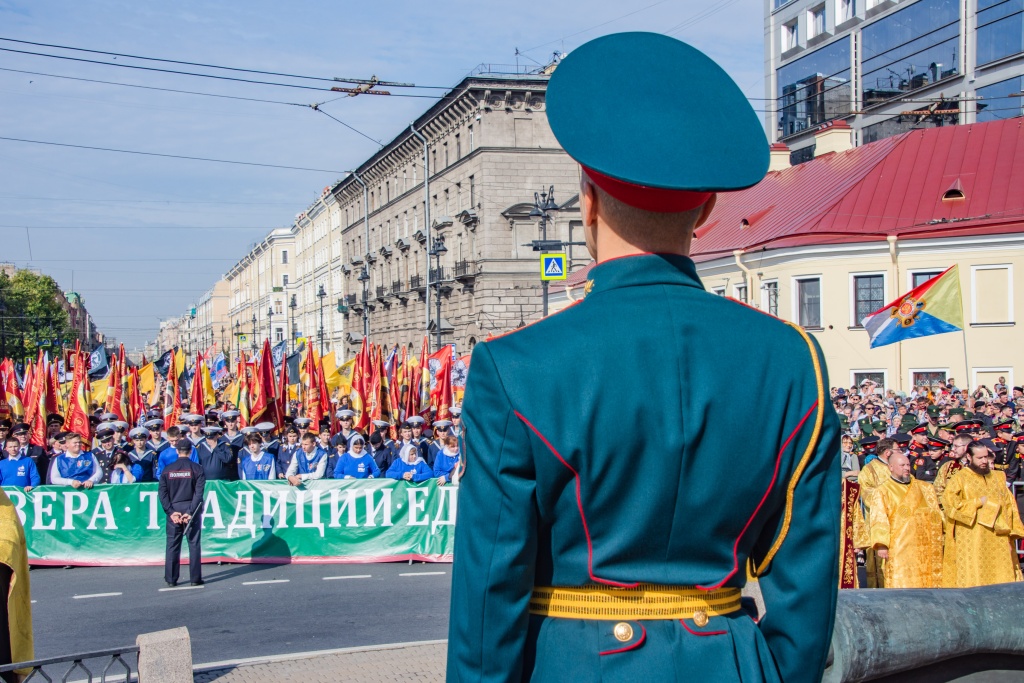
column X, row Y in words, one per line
column 906, row 519
column 979, row 541
column 946, row 470
column 871, row 476
column 14, row 554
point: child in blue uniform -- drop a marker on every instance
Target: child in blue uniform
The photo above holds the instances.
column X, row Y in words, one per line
column 410, row 466
column 356, row 463
column 74, row 467
column 169, row 455
column 309, row 461
column 255, row 463
column 447, row 462
column 17, row 469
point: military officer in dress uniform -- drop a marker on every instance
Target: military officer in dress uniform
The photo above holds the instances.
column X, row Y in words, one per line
column 1005, row 450
column 568, row 566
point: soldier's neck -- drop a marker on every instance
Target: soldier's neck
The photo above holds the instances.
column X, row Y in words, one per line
column 609, row 244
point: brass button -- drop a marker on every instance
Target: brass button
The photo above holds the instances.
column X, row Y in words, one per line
column 700, row 617
column 623, row 632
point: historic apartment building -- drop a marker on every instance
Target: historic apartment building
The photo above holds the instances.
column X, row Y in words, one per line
column 889, row 66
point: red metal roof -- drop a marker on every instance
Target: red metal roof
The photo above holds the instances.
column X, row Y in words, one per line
column 890, row 187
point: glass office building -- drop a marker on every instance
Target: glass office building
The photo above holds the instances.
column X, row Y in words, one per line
column 888, row 66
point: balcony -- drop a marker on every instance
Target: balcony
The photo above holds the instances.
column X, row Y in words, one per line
column 397, row 286
column 416, row 283
column 382, row 292
column 351, row 300
column 465, row 270
column 440, row 275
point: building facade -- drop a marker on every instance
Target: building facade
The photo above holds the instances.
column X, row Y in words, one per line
column 889, row 66
column 256, row 293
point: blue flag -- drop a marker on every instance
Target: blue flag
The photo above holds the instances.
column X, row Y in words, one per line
column 98, row 363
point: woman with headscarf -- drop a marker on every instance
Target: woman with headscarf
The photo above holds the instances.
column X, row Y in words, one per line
column 410, row 466
column 447, row 463
column 356, row 463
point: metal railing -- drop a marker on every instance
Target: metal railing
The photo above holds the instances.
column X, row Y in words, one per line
column 464, row 269
column 351, row 299
column 440, row 275
column 382, row 291
column 416, row 282
column 77, row 661
column 396, row 286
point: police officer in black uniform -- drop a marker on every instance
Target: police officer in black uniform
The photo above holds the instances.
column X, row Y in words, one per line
column 181, row 495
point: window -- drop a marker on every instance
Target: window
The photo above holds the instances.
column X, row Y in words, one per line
column 445, row 154
column 284, row 257
column 918, row 278
column 991, row 294
column 868, row 296
column 1001, row 100
column 770, row 297
column 876, row 376
column 471, row 139
column 277, row 307
column 816, row 21
column 1000, row 29
column 808, row 292
column 910, row 49
column 928, row 378
column 284, row 280
column 789, row 35
column 740, row 293
column 815, row 88
column 472, row 191
column 458, row 147
column 718, row 291
column 279, row 335
column 845, row 10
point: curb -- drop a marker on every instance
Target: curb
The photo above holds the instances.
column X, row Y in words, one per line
column 272, row 659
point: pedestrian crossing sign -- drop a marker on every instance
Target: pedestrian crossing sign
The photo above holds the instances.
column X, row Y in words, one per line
column 552, row 266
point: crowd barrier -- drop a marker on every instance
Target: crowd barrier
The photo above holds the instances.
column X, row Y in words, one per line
column 365, row 520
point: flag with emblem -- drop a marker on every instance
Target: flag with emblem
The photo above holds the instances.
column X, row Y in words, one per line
column 933, row 307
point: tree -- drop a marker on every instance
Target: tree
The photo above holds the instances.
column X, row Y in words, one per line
column 31, row 313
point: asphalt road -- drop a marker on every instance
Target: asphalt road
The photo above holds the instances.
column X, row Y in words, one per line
column 243, row 610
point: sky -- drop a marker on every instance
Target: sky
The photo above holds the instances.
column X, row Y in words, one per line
column 141, row 238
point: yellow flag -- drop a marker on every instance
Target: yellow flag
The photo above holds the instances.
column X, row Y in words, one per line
column 147, row 383
column 179, row 362
column 330, row 367
column 209, row 394
column 344, row 377
column 98, row 391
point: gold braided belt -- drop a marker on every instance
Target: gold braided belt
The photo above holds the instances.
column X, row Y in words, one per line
column 646, row 601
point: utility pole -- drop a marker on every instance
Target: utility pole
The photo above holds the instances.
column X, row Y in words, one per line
column 543, row 203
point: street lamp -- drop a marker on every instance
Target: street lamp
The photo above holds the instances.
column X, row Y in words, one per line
column 238, row 339
column 364, row 277
column 543, row 203
column 322, row 294
column 223, row 337
column 292, row 305
column 437, row 250
column 270, row 324
column 254, row 321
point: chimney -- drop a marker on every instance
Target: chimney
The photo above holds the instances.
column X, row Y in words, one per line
column 834, row 136
column 778, row 157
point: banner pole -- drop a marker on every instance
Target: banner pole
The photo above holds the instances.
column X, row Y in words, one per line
column 967, row 367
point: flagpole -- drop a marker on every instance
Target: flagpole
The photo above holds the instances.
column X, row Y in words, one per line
column 967, row 368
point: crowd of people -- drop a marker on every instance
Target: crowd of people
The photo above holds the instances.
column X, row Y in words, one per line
column 938, row 482
column 410, row 450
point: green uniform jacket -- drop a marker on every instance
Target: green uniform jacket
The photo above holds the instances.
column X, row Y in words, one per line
column 600, row 449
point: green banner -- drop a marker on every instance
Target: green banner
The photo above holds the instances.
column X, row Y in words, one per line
column 366, row 520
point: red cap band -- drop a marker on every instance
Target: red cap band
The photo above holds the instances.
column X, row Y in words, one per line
column 648, row 198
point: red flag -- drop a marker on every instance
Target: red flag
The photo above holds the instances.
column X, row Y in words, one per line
column 77, row 419
column 9, row 391
column 282, row 395
column 325, row 395
column 399, row 387
column 172, row 396
column 52, row 389
column 441, row 383
column 312, row 405
column 373, row 397
column 242, row 398
column 360, row 384
column 196, row 403
column 136, row 407
column 263, row 389
column 37, row 426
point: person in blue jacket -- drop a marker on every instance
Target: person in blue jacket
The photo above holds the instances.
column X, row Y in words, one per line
column 74, row 467
column 254, row 462
column 17, row 469
column 448, row 461
column 356, row 463
column 169, row 455
column 309, row 461
column 410, row 466
column 286, row 452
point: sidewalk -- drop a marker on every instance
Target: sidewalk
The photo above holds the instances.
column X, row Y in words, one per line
column 423, row 661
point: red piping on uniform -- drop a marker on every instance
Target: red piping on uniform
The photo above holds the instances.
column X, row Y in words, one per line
column 771, row 485
column 701, row 633
column 632, row 646
column 579, row 503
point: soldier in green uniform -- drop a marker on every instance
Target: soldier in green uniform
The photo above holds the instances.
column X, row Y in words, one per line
column 584, row 558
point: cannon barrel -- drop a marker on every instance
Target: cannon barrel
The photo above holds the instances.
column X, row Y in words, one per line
column 883, row 632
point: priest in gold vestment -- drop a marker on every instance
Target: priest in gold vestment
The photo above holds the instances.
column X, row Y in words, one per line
column 905, row 528
column 14, row 564
column 872, row 475
column 983, row 524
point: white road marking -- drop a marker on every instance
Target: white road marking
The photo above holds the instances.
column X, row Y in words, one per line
column 257, row 583
column 179, row 588
column 422, row 574
column 350, row 576
column 97, row 595
column 34, row 602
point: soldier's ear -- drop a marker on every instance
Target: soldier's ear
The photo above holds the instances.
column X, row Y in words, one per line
column 705, row 211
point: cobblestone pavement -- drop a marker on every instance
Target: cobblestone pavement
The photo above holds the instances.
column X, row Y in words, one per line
column 403, row 662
